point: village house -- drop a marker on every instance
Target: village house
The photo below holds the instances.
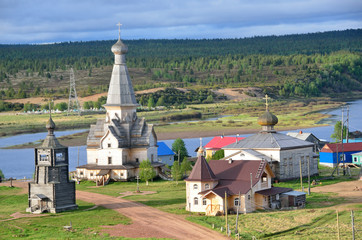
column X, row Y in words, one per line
column 285, row 154
column 245, row 184
column 331, row 152
column 165, row 154
column 217, row 143
column 357, row 158
column 309, row 137
column 51, row 190
column 117, row 144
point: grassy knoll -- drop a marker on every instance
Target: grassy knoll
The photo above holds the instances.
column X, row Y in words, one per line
column 86, row 224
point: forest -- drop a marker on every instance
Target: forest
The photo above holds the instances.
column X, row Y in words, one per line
column 300, row 65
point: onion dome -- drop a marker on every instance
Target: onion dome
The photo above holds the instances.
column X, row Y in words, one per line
column 119, row 48
column 50, row 124
column 267, row 119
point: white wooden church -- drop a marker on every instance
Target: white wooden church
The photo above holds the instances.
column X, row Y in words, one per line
column 117, row 144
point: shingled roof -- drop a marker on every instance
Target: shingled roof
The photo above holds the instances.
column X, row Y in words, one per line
column 347, row 147
column 201, row 171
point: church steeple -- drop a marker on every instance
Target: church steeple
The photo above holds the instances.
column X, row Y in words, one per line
column 121, row 100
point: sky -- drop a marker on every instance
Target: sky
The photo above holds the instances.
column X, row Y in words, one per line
column 48, row 21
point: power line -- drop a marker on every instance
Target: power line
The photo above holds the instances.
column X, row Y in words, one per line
column 73, row 103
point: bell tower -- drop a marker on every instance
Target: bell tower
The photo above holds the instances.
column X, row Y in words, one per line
column 51, row 191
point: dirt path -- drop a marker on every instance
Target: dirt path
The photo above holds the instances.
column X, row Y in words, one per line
column 347, row 190
column 147, row 221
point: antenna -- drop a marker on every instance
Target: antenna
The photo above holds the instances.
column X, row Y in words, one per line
column 73, row 103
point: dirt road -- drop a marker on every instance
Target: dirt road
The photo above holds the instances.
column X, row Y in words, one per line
column 147, row 221
column 351, row 191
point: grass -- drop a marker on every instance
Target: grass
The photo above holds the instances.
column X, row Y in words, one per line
column 298, row 224
column 86, row 224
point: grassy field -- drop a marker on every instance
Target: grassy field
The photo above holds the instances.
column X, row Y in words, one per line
column 291, row 114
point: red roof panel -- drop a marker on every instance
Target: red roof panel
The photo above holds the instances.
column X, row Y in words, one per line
column 219, row 141
column 347, row 147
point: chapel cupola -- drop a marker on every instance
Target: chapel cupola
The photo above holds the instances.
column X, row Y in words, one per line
column 121, row 100
column 267, row 120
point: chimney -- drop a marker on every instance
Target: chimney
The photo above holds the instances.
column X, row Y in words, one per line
column 230, row 161
column 300, row 132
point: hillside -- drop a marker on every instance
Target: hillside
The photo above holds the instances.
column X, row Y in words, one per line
column 304, row 65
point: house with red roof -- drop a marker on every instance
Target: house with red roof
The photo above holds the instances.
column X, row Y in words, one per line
column 219, row 142
column 245, row 185
column 331, row 152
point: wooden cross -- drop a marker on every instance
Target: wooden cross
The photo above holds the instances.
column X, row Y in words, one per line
column 119, row 30
column 266, row 102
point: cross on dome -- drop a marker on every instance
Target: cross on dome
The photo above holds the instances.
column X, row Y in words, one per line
column 266, row 102
column 119, row 30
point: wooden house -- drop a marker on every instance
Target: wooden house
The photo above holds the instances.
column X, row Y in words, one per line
column 244, row 184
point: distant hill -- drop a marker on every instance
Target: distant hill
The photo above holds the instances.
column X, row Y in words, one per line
column 298, row 65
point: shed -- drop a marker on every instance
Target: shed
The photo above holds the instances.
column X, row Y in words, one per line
column 293, row 199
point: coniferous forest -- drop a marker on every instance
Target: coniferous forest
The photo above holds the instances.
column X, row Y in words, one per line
column 301, row 65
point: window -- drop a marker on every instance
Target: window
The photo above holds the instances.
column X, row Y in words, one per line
column 236, row 202
column 207, row 186
column 109, row 160
column 91, row 174
column 59, row 157
column 264, row 177
column 96, row 160
column 196, row 201
column 109, row 145
column 195, row 187
column 43, row 157
column 204, row 202
column 137, row 160
column 355, row 159
column 151, row 157
column 121, row 174
column 81, row 173
column 248, row 197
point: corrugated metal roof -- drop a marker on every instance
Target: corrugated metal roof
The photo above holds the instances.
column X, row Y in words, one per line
column 220, row 141
column 347, row 147
column 295, row 193
column 267, row 140
column 163, row 149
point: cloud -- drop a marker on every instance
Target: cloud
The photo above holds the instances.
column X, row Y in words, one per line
column 27, row 21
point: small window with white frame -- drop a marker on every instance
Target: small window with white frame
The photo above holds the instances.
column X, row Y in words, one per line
column 196, row 201
column 207, row 186
column 204, row 201
column 236, row 202
column 195, row 187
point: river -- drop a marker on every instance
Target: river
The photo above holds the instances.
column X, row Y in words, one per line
column 19, row 163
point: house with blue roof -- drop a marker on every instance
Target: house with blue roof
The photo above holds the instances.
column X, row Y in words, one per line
column 165, row 154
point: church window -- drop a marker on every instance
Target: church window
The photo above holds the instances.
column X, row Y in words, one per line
column 81, row 173
column 109, row 145
column 236, row 202
column 59, row 157
column 207, row 186
column 109, row 160
column 196, row 201
column 43, row 157
column 195, row 186
column 248, row 197
column 204, row 202
column 151, row 157
column 137, row 160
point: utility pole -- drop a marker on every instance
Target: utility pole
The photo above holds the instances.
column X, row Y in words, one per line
column 338, row 233
column 226, row 213
column 78, row 157
column 237, row 216
column 309, row 174
column 347, row 124
column 300, row 172
column 352, row 216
